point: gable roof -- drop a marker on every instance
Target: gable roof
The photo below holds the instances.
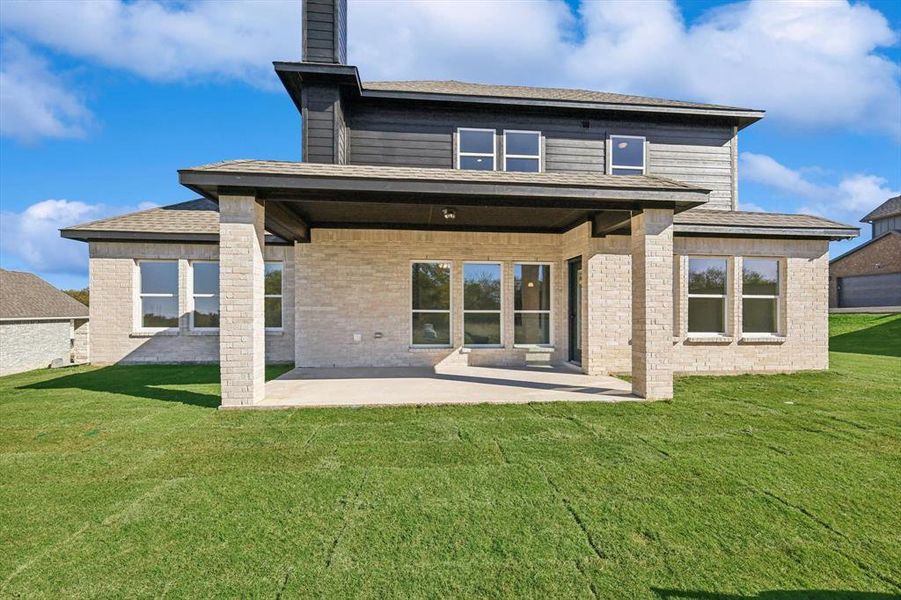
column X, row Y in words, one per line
column 883, row 235
column 26, row 296
column 463, row 88
column 889, row 208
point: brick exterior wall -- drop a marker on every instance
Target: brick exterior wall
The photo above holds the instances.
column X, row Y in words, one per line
column 27, row 345
column 113, row 335
column 880, row 257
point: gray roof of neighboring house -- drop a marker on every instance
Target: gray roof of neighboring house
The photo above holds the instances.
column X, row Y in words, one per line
column 883, row 235
column 199, row 219
column 462, row 88
column 889, row 208
column 25, row 296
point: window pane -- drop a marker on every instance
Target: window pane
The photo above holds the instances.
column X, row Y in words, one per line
column 758, row 315
column 206, row 278
column 760, row 277
column 477, row 163
column 159, row 277
column 532, row 287
column 627, row 152
column 479, row 142
column 159, row 312
column 431, row 286
column 705, row 315
column 273, row 312
column 431, row 328
column 206, row 312
column 273, row 279
column 481, row 287
column 522, row 143
column 626, row 171
column 481, row 328
column 706, row 275
column 523, row 165
column 532, row 328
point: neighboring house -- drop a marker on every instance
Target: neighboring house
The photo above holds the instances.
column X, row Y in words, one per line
column 39, row 325
column 492, row 224
column 869, row 276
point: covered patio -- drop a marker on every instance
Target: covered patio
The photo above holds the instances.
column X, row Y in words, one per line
column 422, row 386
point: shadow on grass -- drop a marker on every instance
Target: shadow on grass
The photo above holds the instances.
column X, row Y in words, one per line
column 883, row 339
column 154, row 382
column 671, row 594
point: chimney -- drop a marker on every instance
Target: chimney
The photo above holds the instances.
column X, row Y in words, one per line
column 325, row 31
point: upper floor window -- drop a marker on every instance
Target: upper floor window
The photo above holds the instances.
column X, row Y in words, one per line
column 522, row 151
column 707, row 279
column 627, row 155
column 205, row 294
column 760, row 295
column 158, row 291
column 476, row 149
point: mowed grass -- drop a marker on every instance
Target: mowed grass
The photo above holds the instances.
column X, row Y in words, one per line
column 126, row 482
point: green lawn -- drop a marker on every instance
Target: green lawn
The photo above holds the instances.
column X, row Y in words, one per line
column 126, row 482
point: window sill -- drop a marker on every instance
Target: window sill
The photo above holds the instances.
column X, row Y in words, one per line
column 203, row 332
column 148, row 333
column 535, row 348
column 274, row 331
column 428, row 348
column 700, row 338
column 486, row 347
column 764, row 338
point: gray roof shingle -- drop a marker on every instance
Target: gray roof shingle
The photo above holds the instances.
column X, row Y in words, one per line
column 462, row 88
column 200, row 216
column 734, row 218
column 26, row 296
column 889, row 208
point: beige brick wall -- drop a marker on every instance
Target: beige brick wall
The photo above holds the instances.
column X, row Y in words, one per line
column 81, row 345
column 26, row 345
column 113, row 276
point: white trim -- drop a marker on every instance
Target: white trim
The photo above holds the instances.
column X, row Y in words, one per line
column 539, row 156
column 280, row 296
column 138, row 325
column 450, row 304
column 644, row 154
column 499, row 312
column 777, row 333
column 460, row 153
column 549, row 312
column 724, row 298
column 192, row 295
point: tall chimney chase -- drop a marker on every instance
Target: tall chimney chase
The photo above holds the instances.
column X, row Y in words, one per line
column 325, row 31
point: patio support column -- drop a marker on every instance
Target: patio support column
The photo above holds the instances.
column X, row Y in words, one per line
column 241, row 325
column 652, row 304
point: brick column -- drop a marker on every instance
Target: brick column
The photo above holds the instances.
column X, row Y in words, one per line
column 652, row 304
column 241, row 326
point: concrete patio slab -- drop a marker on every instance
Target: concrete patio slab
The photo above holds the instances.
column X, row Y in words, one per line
column 355, row 387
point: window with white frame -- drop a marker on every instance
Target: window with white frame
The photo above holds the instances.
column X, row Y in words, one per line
column 627, row 155
column 205, row 295
column 482, row 304
column 760, row 295
column 272, row 292
column 531, row 304
column 476, row 149
column 522, row 151
column 707, row 291
column 158, row 291
column 430, row 303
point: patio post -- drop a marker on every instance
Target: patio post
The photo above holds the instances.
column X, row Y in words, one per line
column 652, row 304
column 241, row 325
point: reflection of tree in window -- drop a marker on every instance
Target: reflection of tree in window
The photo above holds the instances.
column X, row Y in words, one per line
column 430, row 304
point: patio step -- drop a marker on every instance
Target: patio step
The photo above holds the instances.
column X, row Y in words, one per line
column 539, row 357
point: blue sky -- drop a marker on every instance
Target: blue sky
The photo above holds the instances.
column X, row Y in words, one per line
column 97, row 122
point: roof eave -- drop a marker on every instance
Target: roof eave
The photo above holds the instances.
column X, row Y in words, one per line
column 827, row 233
column 91, row 235
column 294, row 74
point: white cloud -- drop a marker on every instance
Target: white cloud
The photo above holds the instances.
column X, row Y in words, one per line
column 848, row 200
column 166, row 41
column 35, row 103
column 32, row 236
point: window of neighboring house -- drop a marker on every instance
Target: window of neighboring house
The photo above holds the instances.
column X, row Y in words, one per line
column 531, row 304
column 707, row 295
column 430, row 304
column 205, row 295
column 482, row 304
column 158, row 293
column 476, row 149
column 522, row 151
column 627, row 155
column 760, row 295
column 272, row 291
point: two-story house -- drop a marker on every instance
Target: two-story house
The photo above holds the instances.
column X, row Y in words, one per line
column 493, row 224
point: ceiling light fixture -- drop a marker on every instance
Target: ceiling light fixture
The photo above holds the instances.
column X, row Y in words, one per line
column 449, row 213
